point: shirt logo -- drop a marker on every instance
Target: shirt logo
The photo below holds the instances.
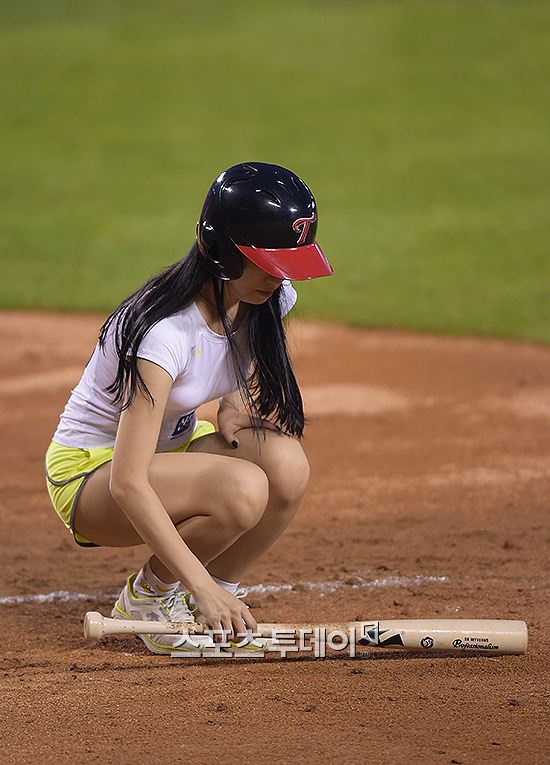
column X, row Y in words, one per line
column 183, row 424
column 302, row 225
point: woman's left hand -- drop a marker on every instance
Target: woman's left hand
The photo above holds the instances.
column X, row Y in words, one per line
column 231, row 421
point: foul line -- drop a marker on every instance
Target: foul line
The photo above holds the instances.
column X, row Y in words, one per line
column 354, row 583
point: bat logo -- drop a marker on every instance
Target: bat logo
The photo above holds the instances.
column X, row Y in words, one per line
column 475, row 644
column 371, row 634
column 302, row 225
column 427, row 642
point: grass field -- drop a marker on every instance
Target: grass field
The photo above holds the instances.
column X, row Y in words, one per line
column 421, row 126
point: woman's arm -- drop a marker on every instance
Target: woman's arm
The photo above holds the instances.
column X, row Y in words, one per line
column 232, row 417
column 135, row 445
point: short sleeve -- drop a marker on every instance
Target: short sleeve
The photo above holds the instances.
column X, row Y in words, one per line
column 163, row 345
column 288, row 297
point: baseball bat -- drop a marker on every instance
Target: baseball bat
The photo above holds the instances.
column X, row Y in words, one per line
column 491, row 636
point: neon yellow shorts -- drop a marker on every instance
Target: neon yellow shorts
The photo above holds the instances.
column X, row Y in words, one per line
column 68, row 468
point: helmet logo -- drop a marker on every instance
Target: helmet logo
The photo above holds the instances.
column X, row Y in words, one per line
column 302, row 225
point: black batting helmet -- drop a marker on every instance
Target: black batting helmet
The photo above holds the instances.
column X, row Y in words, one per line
column 266, row 213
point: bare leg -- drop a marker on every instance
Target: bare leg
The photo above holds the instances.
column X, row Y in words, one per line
column 284, row 463
column 211, row 499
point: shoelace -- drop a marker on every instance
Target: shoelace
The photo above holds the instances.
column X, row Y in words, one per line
column 191, row 607
column 176, row 607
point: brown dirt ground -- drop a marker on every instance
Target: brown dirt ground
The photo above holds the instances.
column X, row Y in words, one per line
column 430, row 457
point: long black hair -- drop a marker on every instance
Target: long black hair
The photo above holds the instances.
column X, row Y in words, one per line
column 269, row 391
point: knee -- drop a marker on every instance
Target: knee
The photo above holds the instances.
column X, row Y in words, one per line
column 246, row 496
column 288, row 472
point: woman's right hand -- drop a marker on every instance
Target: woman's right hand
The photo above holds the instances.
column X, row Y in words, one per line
column 225, row 614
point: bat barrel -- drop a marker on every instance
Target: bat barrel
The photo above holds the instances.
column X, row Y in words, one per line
column 492, row 636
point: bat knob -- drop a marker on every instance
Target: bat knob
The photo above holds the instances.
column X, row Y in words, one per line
column 93, row 625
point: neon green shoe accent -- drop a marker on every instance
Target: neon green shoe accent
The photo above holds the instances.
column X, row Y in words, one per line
column 153, row 642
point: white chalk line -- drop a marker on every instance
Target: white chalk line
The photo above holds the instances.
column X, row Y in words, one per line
column 354, row 582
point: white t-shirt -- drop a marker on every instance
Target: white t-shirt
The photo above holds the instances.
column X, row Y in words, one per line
column 196, row 358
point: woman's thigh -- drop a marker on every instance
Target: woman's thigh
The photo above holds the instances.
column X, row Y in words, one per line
column 187, row 485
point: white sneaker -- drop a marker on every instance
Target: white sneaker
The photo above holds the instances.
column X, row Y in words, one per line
column 172, row 607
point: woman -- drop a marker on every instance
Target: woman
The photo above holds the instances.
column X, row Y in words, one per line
column 129, row 463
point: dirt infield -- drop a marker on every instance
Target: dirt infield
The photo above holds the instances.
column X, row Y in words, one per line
column 429, row 497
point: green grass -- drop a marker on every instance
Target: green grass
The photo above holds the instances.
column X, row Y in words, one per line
column 421, row 126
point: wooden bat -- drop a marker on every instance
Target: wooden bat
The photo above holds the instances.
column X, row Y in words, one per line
column 491, row 636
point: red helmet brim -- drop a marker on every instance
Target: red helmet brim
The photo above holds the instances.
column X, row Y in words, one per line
column 304, row 262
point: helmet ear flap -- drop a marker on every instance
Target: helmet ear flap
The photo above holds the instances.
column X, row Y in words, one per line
column 223, row 258
column 206, row 238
